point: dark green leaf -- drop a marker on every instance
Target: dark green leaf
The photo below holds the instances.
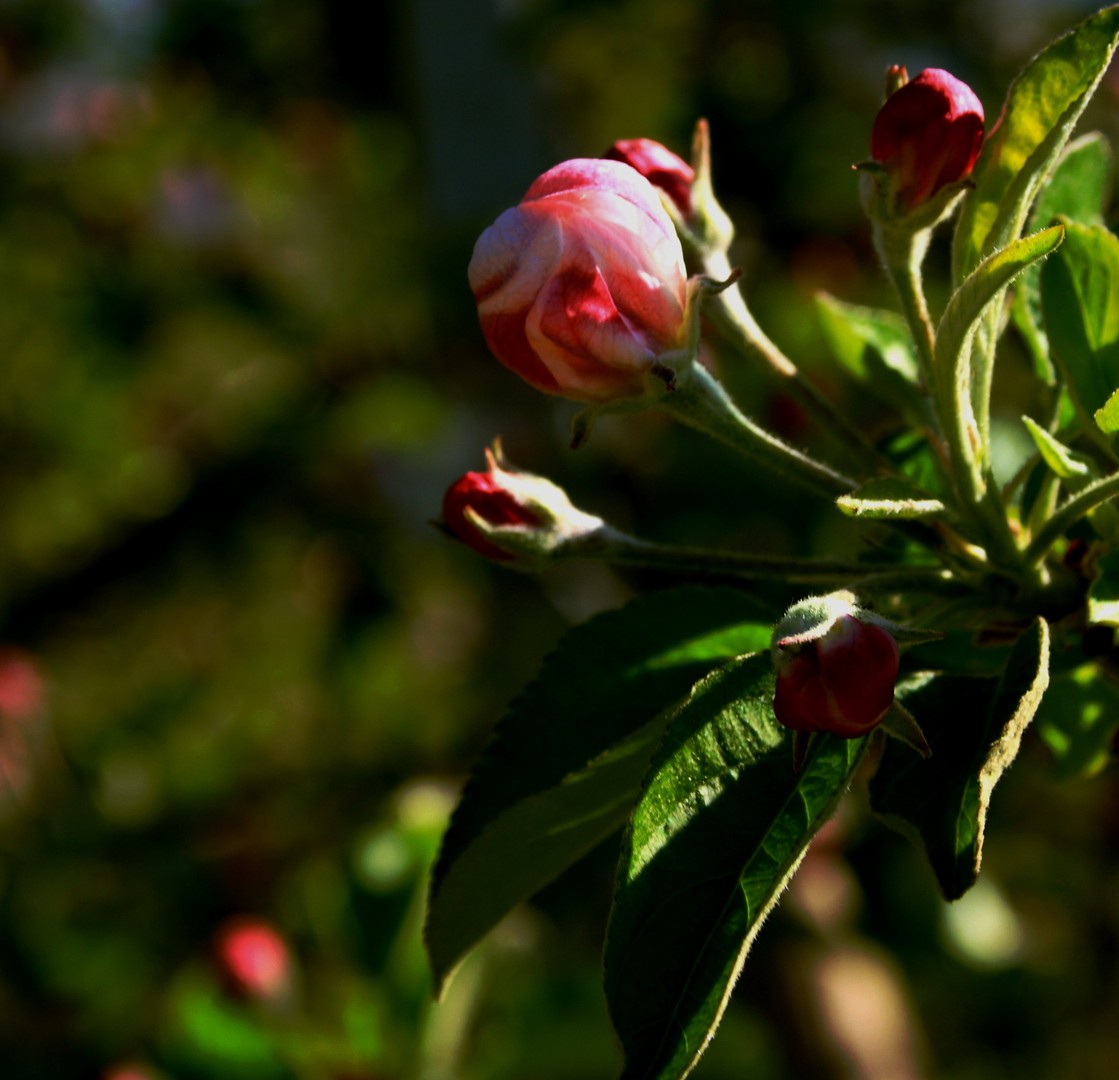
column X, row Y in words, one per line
column 1041, row 109
column 721, row 825
column 974, row 726
column 1080, row 299
column 1078, row 719
column 566, row 763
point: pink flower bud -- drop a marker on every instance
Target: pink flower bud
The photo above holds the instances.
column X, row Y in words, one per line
column 660, row 166
column 253, row 960
column 490, row 500
column 841, row 681
column 927, row 134
column 581, row 288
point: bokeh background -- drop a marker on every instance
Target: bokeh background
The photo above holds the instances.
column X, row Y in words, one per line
column 241, row 674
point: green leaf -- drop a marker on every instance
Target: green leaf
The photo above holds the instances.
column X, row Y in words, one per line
column 1080, row 299
column 1063, row 462
column 566, row 763
column 974, row 726
column 1078, row 719
column 875, row 347
column 721, row 825
column 1042, row 107
column 1103, row 594
column 1077, row 191
column 952, row 355
column 890, row 498
column 1107, row 415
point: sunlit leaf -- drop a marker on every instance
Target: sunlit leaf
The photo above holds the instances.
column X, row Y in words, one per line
column 722, row 823
column 1042, row 107
column 566, row 763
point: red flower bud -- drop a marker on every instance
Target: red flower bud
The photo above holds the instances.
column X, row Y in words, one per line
column 253, row 960
column 505, row 513
column 927, row 134
column 660, row 166
column 581, row 288
column 841, row 681
column 490, row 500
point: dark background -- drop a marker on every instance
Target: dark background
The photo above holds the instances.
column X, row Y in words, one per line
column 239, row 365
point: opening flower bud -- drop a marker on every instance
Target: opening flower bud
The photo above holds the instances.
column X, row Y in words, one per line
column 581, row 288
column 927, row 134
column 509, row 515
column 836, row 675
column 660, row 166
column 484, row 495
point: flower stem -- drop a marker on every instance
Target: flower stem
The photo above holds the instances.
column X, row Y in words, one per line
column 700, row 401
column 728, row 310
column 619, row 548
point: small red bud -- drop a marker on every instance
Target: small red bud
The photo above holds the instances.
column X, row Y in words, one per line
column 841, row 682
column 253, row 959
column 484, row 494
column 660, row 166
column 927, row 134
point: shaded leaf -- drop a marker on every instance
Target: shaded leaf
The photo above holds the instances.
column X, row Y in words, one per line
column 566, row 763
column 1041, row 109
column 974, row 726
column 1078, row 719
column 1103, row 594
column 720, row 827
column 1080, row 299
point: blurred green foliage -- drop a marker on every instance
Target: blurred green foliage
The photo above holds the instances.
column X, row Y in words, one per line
column 240, row 366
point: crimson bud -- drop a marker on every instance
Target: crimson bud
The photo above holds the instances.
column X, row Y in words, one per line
column 836, row 669
column 507, row 514
column 927, row 134
column 581, row 288
column 660, row 166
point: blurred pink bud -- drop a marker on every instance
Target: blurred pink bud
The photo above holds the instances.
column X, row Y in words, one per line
column 841, row 682
column 927, row 134
column 660, row 166
column 484, row 494
column 131, row 1070
column 581, row 288
column 21, row 685
column 253, row 959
